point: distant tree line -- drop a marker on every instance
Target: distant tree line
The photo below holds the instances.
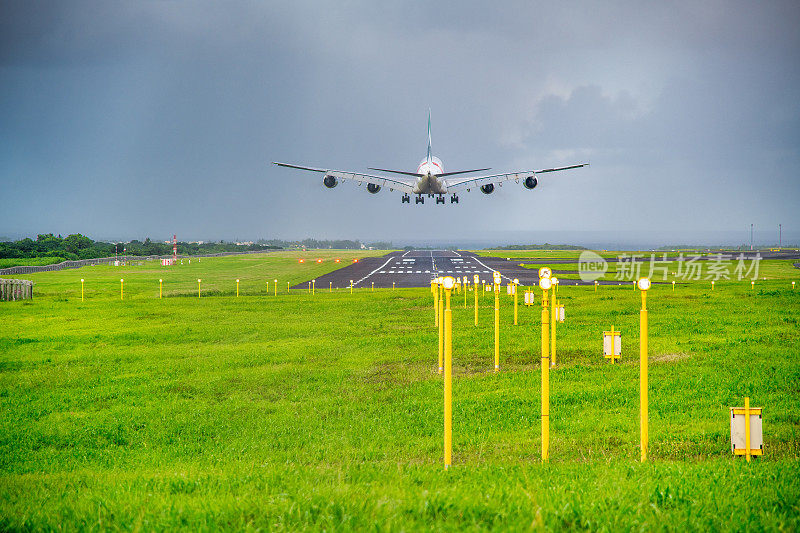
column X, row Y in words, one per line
column 341, row 244
column 79, row 246
column 545, row 246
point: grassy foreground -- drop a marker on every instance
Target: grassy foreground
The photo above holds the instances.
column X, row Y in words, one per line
column 296, row 412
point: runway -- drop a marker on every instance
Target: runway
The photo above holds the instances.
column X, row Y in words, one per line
column 416, row 268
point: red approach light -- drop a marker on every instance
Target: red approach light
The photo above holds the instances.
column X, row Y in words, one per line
column 337, row 260
column 355, row 260
column 319, row 260
column 302, row 261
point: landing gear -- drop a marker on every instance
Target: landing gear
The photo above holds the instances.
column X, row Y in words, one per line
column 406, row 199
column 454, row 199
column 419, row 199
column 440, row 199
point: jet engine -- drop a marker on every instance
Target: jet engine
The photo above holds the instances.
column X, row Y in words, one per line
column 372, row 188
column 488, row 188
column 530, row 182
column 330, row 182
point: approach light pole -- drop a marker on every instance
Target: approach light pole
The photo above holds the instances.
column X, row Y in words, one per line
column 545, row 283
column 644, row 285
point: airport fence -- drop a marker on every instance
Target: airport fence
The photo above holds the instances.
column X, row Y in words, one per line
column 15, row 289
column 110, row 261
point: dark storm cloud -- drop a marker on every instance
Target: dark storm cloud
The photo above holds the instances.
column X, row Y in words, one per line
column 122, row 120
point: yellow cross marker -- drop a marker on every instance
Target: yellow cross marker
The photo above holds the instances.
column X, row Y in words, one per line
column 610, row 350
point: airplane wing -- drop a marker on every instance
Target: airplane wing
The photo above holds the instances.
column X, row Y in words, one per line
column 498, row 178
column 392, row 183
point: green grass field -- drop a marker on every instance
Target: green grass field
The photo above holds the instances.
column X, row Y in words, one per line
column 294, row 412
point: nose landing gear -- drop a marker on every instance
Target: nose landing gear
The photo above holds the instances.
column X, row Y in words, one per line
column 439, row 198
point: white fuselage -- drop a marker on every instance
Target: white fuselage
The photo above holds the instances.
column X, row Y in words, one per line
column 430, row 167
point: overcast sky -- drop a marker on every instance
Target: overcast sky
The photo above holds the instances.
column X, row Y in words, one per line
column 123, row 120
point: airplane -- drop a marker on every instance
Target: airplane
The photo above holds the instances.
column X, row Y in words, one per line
column 429, row 179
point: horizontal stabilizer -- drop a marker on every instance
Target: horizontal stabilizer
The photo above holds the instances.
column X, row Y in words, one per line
column 397, row 172
column 462, row 172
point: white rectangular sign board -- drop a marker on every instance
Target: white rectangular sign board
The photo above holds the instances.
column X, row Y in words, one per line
column 737, row 431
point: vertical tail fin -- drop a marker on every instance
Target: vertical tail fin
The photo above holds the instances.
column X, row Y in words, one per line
column 429, row 134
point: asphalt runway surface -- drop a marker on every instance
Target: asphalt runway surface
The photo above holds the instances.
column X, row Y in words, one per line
column 416, row 268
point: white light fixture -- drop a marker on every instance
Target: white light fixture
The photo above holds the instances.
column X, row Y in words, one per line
column 545, row 283
column 516, row 281
column 545, row 272
column 644, row 284
column 496, row 277
column 448, row 282
column 554, row 280
column 476, row 279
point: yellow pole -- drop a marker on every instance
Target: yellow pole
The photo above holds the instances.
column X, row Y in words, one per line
column 313, row 287
column 465, row 294
column 440, row 312
column 373, row 286
column 351, row 286
column 673, row 285
column 276, row 287
column 643, row 413
column 553, row 328
column 476, row 304
column 545, row 379
column 81, row 289
column 747, row 426
column 267, row 286
column 198, row 287
column 448, row 383
column 514, row 288
column 436, row 304
column 330, row 286
column 287, row 288
column 237, row 288
column 496, row 327
column 634, row 285
column 121, row 289
column 393, row 285
column 595, row 286
column 160, row 287
column 309, row 287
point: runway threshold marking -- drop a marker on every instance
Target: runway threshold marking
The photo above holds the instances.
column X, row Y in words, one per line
column 371, row 273
column 484, row 266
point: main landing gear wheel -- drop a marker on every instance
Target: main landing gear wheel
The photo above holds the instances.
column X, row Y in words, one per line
column 406, row 199
column 419, row 199
column 454, row 199
column 440, row 199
